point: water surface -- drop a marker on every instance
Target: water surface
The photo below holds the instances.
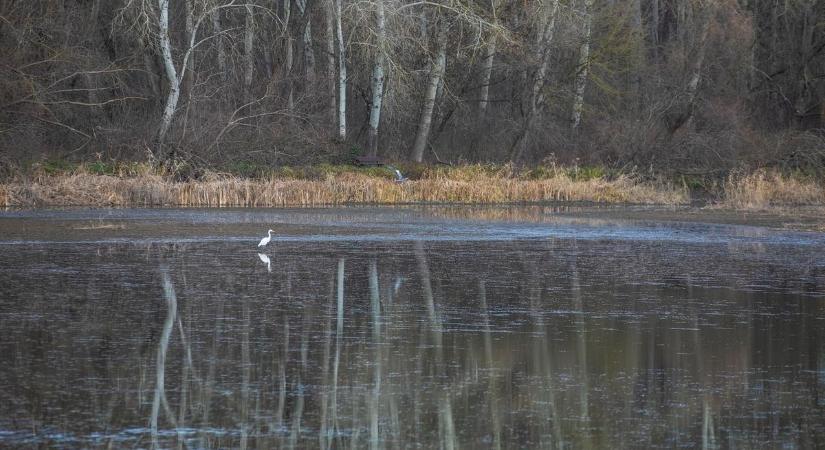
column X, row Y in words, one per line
column 407, row 327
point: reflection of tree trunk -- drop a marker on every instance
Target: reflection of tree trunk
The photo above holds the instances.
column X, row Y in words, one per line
column 581, row 350
column 492, row 391
column 424, row 272
column 339, row 329
column 375, row 301
column 163, row 345
column 245, row 375
column 447, row 428
column 323, row 429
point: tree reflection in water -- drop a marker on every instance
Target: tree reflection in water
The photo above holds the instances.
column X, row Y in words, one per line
column 535, row 343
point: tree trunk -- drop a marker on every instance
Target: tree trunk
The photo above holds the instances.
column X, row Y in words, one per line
column 543, row 55
column 486, row 74
column 436, row 75
column 169, row 67
column 654, row 29
column 330, row 42
column 189, row 80
column 288, row 60
column 584, row 66
column 685, row 117
column 217, row 30
column 487, row 69
column 306, row 43
column 377, row 80
column 342, row 74
column 249, row 63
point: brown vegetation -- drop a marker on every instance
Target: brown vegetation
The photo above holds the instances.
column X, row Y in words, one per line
column 765, row 189
column 471, row 184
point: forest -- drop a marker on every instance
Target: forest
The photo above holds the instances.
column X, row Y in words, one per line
column 692, row 87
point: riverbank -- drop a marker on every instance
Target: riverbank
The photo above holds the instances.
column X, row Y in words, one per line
column 143, row 186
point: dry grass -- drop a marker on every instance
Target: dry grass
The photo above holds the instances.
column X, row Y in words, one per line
column 765, row 189
column 471, row 185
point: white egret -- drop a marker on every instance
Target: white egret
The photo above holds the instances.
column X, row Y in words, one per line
column 398, row 177
column 265, row 259
column 265, row 240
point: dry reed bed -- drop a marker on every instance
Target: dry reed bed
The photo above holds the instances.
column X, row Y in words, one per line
column 152, row 190
column 764, row 189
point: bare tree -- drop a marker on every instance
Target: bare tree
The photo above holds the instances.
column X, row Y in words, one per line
column 342, row 73
column 377, row 78
column 583, row 66
column 543, row 54
column 436, row 76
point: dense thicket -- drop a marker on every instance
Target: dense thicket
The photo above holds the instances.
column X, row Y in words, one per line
column 694, row 86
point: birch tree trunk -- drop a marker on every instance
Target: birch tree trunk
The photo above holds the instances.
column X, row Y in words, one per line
column 377, row 79
column 169, row 68
column 342, row 74
column 436, row 75
column 543, row 54
column 249, row 65
column 584, row 66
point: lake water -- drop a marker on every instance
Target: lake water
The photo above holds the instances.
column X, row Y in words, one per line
column 407, row 327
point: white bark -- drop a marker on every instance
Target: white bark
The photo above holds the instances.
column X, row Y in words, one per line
column 377, row 79
column 249, row 64
column 169, row 67
column 543, row 54
column 342, row 74
column 584, row 66
column 436, row 75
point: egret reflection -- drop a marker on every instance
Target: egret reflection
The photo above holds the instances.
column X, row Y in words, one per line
column 265, row 259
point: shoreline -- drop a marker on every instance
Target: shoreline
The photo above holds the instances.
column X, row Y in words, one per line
column 326, row 186
column 341, row 189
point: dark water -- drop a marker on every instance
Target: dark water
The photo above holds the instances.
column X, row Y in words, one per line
column 396, row 328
